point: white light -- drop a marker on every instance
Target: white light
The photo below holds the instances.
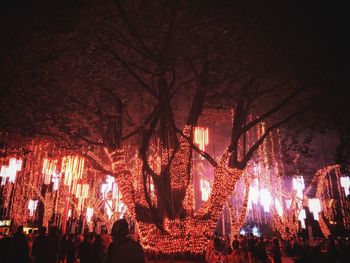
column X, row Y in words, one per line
column 299, row 186
column 345, row 183
column 205, row 189
column 56, row 180
column 242, row 232
column 201, row 137
column 89, row 213
column 10, row 171
column 302, row 217
column 256, row 231
column 253, row 194
column 279, row 207
column 315, row 207
column 288, row 203
column 265, row 199
column 32, row 204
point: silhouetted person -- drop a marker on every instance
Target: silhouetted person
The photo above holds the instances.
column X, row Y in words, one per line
column 19, row 250
column 123, row 249
column 53, row 245
column 63, row 249
column 276, row 252
column 98, row 251
column 86, row 249
column 39, row 246
column 70, row 246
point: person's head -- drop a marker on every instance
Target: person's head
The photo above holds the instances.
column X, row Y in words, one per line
column 251, row 235
column 42, row 231
column 120, row 229
column 20, row 229
column 275, row 241
column 235, row 236
column 30, row 231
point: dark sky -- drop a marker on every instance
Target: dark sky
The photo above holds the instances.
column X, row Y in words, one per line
column 324, row 23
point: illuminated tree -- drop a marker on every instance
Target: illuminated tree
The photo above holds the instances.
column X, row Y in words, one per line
column 137, row 77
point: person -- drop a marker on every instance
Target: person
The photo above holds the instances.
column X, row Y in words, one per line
column 251, row 249
column 123, row 249
column 261, row 255
column 276, row 252
column 98, row 250
column 70, row 249
column 86, row 248
column 217, row 242
column 53, row 245
column 38, row 249
column 63, row 245
column 19, row 249
column 106, row 239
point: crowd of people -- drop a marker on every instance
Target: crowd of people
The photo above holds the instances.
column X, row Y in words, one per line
column 42, row 247
column 253, row 249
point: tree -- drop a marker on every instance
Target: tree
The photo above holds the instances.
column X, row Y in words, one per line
column 132, row 73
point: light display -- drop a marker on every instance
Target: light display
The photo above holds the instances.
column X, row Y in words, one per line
column 89, row 214
column 345, row 183
column 32, row 205
column 8, row 172
column 205, row 189
column 75, row 193
column 265, row 199
column 302, row 217
column 279, row 207
column 315, row 207
column 201, row 137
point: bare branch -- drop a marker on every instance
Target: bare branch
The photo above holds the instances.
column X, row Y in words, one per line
column 129, row 69
column 274, row 109
column 132, row 30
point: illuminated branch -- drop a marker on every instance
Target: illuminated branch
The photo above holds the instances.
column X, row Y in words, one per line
column 207, row 156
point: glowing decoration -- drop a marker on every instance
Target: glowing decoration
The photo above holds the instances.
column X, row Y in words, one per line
column 315, row 207
column 89, row 214
column 302, row 217
column 72, row 169
column 254, row 194
column 205, row 189
column 32, row 205
column 56, row 180
column 49, row 168
column 265, row 199
column 299, row 186
column 201, row 137
column 256, row 231
column 10, row 171
column 345, row 183
column 242, row 232
column 279, row 207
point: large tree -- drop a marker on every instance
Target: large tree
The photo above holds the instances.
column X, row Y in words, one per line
column 106, row 77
